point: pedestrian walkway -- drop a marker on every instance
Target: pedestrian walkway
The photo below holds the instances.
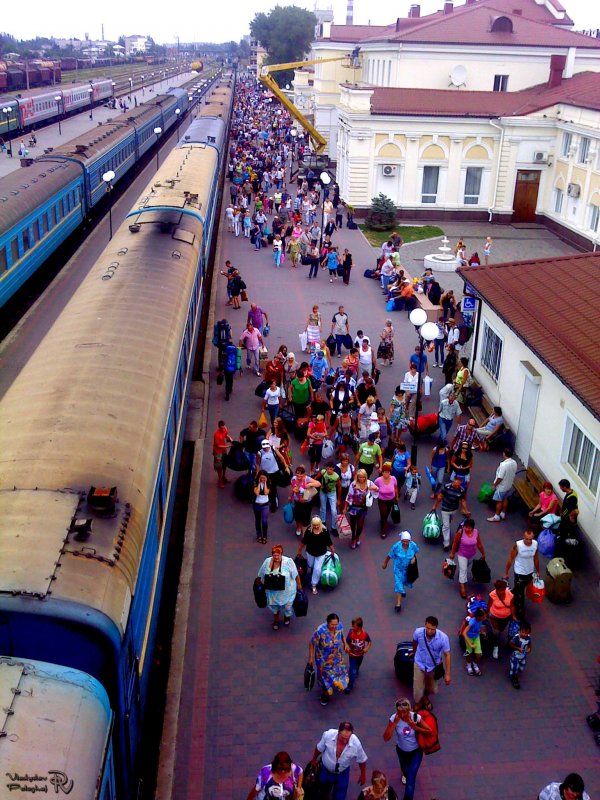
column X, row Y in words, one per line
column 72, row 127
column 243, row 697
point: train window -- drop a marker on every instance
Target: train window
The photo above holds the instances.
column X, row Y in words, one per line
column 64, row 206
column 168, row 453
column 36, row 232
column 44, row 225
column 3, row 260
column 53, row 219
column 26, row 242
column 14, row 250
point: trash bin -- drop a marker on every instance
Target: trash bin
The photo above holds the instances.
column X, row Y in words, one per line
column 558, row 581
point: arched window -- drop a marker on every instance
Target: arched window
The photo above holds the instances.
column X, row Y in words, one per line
column 502, row 25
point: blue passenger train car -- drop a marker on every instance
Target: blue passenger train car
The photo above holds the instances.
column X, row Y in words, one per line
column 93, row 428
column 38, row 212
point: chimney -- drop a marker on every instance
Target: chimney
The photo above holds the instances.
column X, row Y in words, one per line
column 448, row 7
column 350, row 13
column 414, row 11
column 557, row 65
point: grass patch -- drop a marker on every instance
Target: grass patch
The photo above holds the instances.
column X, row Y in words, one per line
column 409, row 233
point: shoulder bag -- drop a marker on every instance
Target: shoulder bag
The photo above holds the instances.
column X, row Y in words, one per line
column 438, row 670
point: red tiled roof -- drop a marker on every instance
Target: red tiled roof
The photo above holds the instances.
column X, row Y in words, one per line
column 582, row 90
column 552, row 305
column 355, row 33
column 471, row 25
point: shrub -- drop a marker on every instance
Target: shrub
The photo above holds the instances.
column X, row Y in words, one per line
column 382, row 214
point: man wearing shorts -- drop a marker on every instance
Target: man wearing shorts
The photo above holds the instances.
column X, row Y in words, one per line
column 222, row 441
column 503, row 483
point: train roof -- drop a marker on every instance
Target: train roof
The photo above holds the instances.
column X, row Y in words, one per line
column 55, row 727
column 29, row 187
column 56, row 89
column 90, row 144
column 205, row 130
column 90, row 406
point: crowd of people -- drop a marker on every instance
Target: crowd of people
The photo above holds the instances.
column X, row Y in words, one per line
column 327, row 449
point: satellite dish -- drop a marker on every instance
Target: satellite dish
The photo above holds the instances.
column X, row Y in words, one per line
column 458, row 76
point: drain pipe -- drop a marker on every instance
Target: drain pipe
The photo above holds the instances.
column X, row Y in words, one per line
column 502, row 130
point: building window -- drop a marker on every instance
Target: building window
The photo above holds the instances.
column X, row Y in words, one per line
column 491, row 351
column 558, row 200
column 500, row 83
column 566, row 144
column 429, row 191
column 584, row 149
column 473, row 185
column 594, row 218
column 583, row 456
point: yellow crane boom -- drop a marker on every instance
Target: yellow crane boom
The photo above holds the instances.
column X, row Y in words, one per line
column 318, row 141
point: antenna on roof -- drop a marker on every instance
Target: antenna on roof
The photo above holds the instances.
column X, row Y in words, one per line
column 458, row 76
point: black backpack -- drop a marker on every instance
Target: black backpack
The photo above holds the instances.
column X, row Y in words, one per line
column 464, row 333
column 221, row 333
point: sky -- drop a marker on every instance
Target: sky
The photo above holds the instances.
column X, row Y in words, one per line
column 206, row 21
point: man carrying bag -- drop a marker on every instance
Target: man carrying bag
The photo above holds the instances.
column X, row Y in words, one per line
column 432, row 662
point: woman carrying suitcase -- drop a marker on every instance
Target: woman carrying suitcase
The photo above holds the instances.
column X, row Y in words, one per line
column 280, row 579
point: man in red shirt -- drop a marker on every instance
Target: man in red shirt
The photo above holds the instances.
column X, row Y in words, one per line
column 221, row 443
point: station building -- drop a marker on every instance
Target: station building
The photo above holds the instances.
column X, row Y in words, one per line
column 486, row 111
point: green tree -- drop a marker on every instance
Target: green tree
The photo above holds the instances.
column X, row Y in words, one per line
column 243, row 49
column 382, row 214
column 286, row 34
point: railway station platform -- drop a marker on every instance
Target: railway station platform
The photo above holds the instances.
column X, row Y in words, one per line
column 236, row 694
column 71, row 127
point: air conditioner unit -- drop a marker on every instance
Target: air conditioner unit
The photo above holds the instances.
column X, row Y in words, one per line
column 540, row 157
column 389, row 170
column 573, row 190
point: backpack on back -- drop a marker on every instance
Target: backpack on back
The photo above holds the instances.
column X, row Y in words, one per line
column 429, row 742
column 221, row 333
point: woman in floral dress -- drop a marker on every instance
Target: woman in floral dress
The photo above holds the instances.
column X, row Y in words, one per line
column 385, row 351
column 398, row 415
column 326, row 650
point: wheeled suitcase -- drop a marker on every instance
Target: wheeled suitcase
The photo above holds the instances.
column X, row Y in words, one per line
column 288, row 419
column 404, row 662
column 302, row 567
column 558, row 581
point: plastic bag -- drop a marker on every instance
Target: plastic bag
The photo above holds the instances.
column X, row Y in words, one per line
column 303, row 340
column 432, row 527
column 343, row 526
column 262, row 420
column 547, row 543
column 486, row 493
column 536, row 590
column 288, row 513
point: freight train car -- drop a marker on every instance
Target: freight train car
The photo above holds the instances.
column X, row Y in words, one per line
column 93, row 428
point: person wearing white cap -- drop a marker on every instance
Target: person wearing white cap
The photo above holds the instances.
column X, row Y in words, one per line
column 402, row 554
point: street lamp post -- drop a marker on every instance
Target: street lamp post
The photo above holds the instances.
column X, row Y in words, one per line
column 130, row 85
column 157, row 132
column 57, row 100
column 6, row 111
column 143, row 92
column 177, row 113
column 293, row 134
column 325, row 181
column 427, row 333
column 108, row 179
column 91, row 94
column 113, row 84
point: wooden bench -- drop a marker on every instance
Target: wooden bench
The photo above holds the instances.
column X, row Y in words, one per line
column 421, row 300
column 481, row 410
column 528, row 485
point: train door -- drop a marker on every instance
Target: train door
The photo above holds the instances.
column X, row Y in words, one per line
column 132, row 712
column 526, row 195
